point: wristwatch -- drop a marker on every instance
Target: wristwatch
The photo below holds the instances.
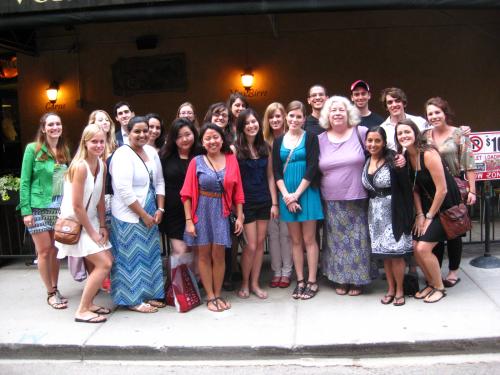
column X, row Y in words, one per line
column 162, row 210
column 429, row 216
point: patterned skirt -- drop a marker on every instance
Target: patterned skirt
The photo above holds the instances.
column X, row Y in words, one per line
column 346, row 251
column 137, row 274
column 45, row 218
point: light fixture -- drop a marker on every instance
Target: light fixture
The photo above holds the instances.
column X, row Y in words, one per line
column 247, row 79
column 52, row 91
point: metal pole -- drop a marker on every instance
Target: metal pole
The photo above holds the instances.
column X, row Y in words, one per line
column 487, row 260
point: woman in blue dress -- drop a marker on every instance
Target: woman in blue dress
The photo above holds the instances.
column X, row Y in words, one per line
column 295, row 166
column 211, row 188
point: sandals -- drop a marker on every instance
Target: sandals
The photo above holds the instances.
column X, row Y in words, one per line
column 387, row 299
column 59, row 295
column 213, row 304
column 101, row 310
column 275, row 282
column 341, row 289
column 299, row 289
column 243, row 293
column 58, row 304
column 434, row 291
column 309, row 292
column 144, row 308
column 450, row 283
column 355, row 291
column 399, row 300
column 226, row 304
column 93, row 319
column 156, row 303
column 261, row 294
column 284, row 282
column 421, row 295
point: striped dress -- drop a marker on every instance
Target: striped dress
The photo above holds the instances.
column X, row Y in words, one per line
column 137, row 274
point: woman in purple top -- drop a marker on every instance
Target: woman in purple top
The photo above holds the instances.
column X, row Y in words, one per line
column 346, row 252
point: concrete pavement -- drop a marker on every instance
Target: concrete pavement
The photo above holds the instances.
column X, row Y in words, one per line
column 466, row 321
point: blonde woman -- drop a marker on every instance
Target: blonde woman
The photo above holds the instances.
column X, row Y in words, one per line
column 273, row 126
column 104, row 121
column 84, row 200
column 187, row 110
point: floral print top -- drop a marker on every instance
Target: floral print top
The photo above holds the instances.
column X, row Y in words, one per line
column 456, row 152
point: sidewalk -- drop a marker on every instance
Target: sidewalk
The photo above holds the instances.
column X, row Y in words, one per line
column 466, row 321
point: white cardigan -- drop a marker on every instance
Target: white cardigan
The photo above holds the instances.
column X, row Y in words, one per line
column 130, row 180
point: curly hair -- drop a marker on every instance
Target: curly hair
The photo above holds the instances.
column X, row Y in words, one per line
column 353, row 116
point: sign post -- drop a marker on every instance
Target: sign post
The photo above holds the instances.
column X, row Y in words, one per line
column 486, row 149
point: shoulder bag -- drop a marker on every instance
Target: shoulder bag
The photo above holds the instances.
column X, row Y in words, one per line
column 68, row 230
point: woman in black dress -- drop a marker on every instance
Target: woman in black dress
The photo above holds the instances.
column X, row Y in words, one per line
column 433, row 190
column 175, row 155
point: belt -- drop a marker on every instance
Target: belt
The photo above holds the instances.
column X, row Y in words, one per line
column 210, row 194
column 382, row 192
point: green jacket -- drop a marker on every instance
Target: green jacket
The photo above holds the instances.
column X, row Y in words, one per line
column 36, row 180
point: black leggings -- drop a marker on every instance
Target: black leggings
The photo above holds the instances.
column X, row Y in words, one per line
column 454, row 253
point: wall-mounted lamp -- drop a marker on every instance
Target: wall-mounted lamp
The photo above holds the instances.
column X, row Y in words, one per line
column 52, row 91
column 247, row 79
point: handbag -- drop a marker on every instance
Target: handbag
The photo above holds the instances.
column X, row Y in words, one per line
column 182, row 292
column 455, row 221
column 68, row 230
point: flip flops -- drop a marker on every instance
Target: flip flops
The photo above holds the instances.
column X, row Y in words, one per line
column 93, row 319
column 450, row 283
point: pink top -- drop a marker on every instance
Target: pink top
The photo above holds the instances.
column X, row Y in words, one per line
column 233, row 188
column 341, row 165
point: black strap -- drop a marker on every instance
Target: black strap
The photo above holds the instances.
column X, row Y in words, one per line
column 216, row 175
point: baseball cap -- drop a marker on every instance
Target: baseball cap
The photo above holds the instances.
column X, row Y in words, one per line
column 360, row 83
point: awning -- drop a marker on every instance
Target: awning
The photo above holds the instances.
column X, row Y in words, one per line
column 17, row 14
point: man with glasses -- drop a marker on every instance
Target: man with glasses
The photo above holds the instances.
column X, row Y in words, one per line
column 360, row 96
column 123, row 113
column 316, row 99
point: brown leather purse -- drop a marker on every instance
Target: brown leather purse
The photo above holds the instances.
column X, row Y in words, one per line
column 455, row 221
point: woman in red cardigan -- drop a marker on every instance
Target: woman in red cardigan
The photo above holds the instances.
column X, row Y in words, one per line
column 211, row 188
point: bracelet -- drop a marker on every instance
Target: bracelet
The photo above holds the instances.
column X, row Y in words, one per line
column 473, row 192
column 275, row 204
column 420, row 214
column 162, row 210
column 103, row 226
column 189, row 219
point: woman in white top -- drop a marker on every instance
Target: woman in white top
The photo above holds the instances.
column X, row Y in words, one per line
column 84, row 200
column 137, row 208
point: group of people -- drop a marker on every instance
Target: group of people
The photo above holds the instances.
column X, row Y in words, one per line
column 375, row 187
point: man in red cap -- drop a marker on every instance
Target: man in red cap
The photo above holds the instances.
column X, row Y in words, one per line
column 360, row 96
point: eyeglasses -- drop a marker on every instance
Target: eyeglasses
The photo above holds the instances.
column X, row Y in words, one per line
column 223, row 115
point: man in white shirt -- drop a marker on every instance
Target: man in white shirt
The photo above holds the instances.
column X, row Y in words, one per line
column 394, row 100
column 123, row 113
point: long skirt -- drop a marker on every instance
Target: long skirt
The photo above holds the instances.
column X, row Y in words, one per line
column 346, row 253
column 137, row 274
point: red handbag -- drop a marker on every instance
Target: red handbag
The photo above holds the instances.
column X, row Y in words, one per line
column 183, row 292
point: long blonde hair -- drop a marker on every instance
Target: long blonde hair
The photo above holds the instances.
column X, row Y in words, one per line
column 266, row 128
column 82, row 153
column 110, row 135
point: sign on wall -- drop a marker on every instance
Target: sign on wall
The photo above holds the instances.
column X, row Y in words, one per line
column 139, row 75
column 486, row 149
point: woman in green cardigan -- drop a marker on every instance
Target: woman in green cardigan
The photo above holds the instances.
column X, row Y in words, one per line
column 42, row 174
